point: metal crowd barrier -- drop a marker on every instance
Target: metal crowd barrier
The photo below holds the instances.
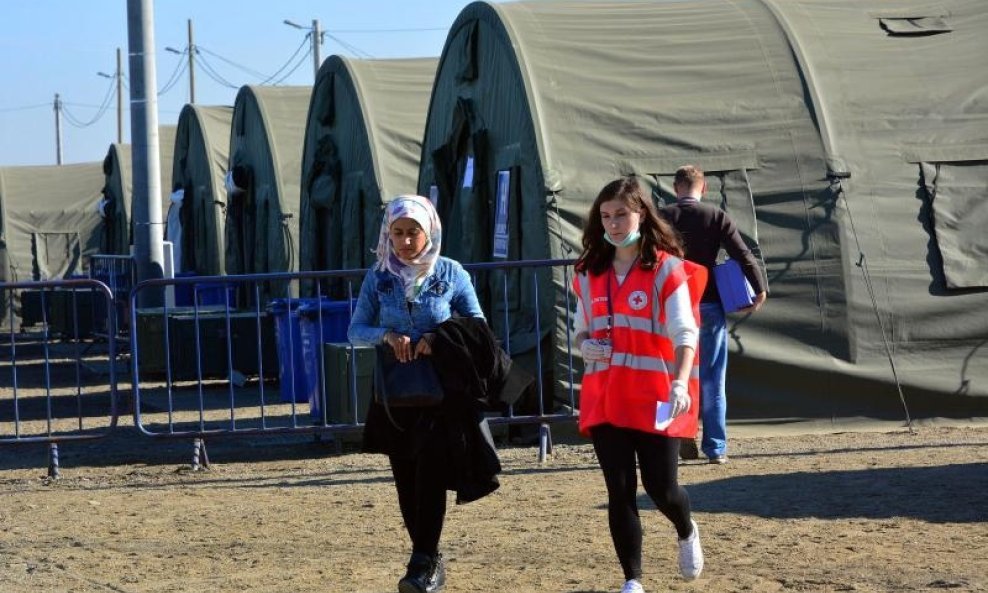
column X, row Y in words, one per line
column 240, row 363
column 119, row 273
column 57, row 382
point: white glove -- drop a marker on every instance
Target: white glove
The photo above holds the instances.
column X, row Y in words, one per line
column 679, row 398
column 595, row 350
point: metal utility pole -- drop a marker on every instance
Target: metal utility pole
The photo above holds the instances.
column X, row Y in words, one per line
column 192, row 66
column 315, row 39
column 316, row 53
column 146, row 214
column 118, row 76
column 58, row 130
column 119, row 96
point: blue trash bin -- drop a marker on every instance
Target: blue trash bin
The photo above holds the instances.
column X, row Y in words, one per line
column 119, row 284
column 184, row 292
column 206, row 293
column 335, row 318
column 216, row 293
column 299, row 349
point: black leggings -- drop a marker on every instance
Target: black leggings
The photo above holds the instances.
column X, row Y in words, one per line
column 658, row 458
column 421, row 485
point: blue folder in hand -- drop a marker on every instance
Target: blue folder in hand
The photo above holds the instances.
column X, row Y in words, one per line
column 735, row 290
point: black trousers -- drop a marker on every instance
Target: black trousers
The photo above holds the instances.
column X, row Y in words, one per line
column 658, row 460
column 421, row 483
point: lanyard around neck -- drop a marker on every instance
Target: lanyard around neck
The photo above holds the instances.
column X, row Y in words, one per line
column 612, row 277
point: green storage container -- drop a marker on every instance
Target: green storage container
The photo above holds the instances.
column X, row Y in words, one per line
column 212, row 343
column 31, row 310
column 337, row 360
column 71, row 312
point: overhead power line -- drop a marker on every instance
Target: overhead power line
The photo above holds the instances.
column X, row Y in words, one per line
column 384, row 31
column 101, row 110
column 302, row 58
column 25, row 107
column 176, row 74
column 212, row 73
column 305, row 41
column 354, row 49
column 277, row 77
column 250, row 71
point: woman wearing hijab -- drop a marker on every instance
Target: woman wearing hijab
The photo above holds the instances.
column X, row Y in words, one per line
column 404, row 298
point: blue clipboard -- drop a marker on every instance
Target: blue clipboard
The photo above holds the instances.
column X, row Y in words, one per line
column 735, row 290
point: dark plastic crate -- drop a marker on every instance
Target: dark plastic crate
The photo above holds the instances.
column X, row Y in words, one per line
column 211, row 358
column 338, row 360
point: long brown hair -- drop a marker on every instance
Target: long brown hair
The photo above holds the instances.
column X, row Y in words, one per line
column 657, row 234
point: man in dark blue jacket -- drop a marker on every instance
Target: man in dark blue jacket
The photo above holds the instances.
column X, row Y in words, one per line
column 705, row 229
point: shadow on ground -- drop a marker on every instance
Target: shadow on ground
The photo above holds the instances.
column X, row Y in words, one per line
column 941, row 494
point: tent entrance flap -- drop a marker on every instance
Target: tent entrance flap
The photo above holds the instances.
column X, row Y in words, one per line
column 55, row 254
column 193, row 225
column 958, row 203
column 352, row 220
column 730, row 189
column 464, row 200
column 325, row 174
column 113, row 229
column 239, row 232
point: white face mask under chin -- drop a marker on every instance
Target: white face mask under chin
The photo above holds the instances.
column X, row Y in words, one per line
column 628, row 241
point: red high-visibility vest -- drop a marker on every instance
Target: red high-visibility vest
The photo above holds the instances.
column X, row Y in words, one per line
column 630, row 390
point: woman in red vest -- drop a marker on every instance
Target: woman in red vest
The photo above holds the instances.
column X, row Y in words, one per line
column 637, row 325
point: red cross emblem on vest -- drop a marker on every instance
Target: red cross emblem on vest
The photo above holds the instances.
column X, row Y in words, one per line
column 638, row 300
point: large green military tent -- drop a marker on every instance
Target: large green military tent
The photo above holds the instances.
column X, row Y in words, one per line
column 848, row 138
column 49, row 223
column 363, row 139
column 118, row 191
column 199, row 166
column 265, row 160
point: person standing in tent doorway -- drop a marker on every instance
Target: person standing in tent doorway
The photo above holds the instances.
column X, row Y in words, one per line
column 705, row 229
column 636, row 327
column 405, row 308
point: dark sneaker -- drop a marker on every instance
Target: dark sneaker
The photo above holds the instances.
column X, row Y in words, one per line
column 688, row 449
column 425, row 574
column 718, row 459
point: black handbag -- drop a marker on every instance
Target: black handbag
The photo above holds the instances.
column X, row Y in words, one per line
column 412, row 384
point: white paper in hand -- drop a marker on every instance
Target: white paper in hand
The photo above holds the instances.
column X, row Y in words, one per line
column 663, row 415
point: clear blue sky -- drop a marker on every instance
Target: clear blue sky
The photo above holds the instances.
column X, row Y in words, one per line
column 59, row 46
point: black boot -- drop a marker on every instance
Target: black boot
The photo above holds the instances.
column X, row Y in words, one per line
column 425, row 574
column 688, row 449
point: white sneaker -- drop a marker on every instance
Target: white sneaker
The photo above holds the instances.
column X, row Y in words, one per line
column 632, row 586
column 691, row 555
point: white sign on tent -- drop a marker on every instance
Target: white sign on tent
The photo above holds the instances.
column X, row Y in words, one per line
column 501, row 215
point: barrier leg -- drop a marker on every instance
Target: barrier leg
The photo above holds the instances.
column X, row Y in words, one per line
column 200, row 458
column 545, row 441
column 53, row 467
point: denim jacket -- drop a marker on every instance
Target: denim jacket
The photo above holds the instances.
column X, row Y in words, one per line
column 382, row 307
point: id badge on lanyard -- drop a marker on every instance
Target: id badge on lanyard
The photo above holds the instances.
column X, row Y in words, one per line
column 612, row 278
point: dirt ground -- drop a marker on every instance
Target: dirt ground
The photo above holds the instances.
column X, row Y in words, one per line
column 870, row 511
